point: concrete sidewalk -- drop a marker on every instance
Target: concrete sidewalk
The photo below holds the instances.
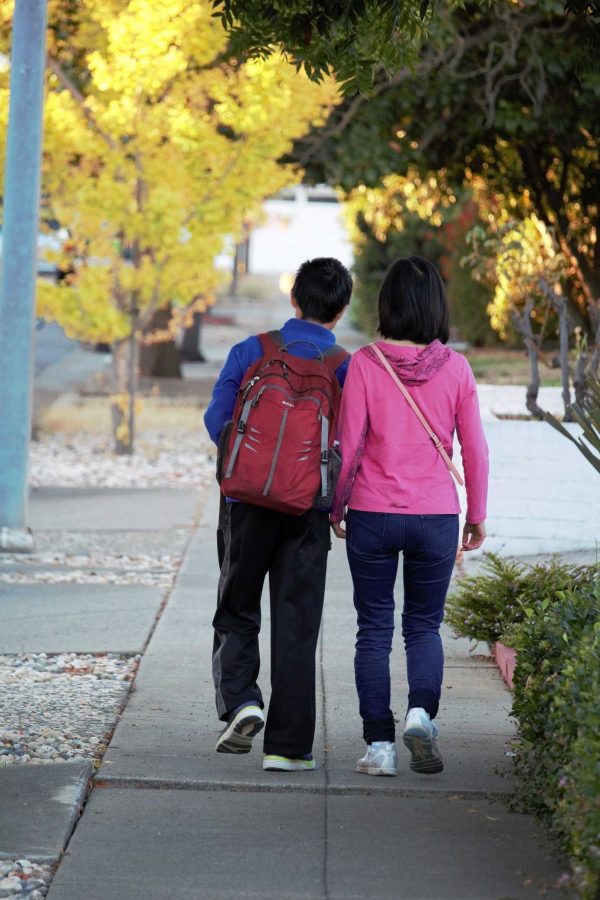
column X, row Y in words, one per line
column 169, row 818
column 82, row 592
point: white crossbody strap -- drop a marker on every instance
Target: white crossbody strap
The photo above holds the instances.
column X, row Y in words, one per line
column 438, row 444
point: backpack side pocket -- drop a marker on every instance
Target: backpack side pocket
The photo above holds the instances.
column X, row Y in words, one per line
column 222, row 448
column 334, row 465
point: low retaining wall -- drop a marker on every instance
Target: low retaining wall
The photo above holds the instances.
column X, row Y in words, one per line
column 506, row 660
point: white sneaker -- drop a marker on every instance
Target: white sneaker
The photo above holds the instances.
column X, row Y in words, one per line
column 419, row 737
column 380, row 759
column 237, row 735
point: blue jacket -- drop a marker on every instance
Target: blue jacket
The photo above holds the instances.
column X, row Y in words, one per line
column 242, row 355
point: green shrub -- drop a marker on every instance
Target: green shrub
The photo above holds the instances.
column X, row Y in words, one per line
column 557, row 685
column 550, row 614
column 486, row 606
column 578, row 809
column 373, row 257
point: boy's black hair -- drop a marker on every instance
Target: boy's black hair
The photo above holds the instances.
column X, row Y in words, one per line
column 412, row 302
column 322, row 288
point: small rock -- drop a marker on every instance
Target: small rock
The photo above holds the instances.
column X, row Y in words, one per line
column 32, row 885
column 10, row 884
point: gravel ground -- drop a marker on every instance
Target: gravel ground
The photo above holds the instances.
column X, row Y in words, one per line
column 22, row 878
column 142, row 564
column 62, row 568
column 150, row 579
column 63, row 708
column 76, row 698
column 95, row 544
column 180, row 459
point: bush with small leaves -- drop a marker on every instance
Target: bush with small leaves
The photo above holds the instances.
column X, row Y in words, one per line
column 486, row 606
column 556, row 689
column 578, row 809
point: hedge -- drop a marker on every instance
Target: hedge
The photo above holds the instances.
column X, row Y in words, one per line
column 556, row 703
column 550, row 614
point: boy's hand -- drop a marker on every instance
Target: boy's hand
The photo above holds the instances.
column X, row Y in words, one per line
column 339, row 530
column 473, row 536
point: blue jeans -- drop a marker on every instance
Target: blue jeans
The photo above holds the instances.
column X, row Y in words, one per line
column 428, row 545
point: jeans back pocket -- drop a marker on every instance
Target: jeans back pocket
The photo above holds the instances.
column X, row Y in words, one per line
column 440, row 533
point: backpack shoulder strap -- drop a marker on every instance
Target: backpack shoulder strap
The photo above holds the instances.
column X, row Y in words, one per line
column 271, row 341
column 334, row 356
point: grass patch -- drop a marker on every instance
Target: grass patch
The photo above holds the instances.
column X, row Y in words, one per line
column 253, row 287
column 71, row 414
column 504, row 366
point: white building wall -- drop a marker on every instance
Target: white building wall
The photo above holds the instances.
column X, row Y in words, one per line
column 297, row 229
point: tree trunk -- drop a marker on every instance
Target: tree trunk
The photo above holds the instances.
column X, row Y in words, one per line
column 595, row 357
column 124, row 378
column 126, row 353
column 524, row 325
column 191, row 344
column 560, row 304
column 579, row 376
column 160, row 359
column 240, row 261
column 533, row 387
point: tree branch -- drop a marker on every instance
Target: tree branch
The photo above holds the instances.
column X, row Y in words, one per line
column 80, row 99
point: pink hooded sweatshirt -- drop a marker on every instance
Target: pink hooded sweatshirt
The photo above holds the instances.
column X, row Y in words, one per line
column 389, row 463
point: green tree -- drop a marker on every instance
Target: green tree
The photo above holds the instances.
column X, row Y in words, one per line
column 505, row 97
column 401, row 217
column 349, row 38
column 468, row 297
column 410, row 214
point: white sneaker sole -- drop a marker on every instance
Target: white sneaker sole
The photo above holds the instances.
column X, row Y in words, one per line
column 376, row 770
column 237, row 737
column 425, row 758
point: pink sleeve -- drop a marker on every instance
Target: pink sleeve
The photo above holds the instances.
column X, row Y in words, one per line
column 351, row 432
column 474, row 449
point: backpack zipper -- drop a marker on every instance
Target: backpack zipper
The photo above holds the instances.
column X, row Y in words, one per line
column 276, row 387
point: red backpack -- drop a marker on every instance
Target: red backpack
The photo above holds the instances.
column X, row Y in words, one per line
column 278, row 451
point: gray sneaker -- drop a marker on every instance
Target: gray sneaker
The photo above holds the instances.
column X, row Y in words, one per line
column 420, row 737
column 237, row 735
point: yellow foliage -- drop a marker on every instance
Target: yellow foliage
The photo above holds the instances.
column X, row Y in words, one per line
column 155, row 149
column 519, row 257
column 384, row 208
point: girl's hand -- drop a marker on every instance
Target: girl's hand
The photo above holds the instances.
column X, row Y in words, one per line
column 339, row 530
column 473, row 536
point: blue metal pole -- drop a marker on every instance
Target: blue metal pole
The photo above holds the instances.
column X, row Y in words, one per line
column 19, row 257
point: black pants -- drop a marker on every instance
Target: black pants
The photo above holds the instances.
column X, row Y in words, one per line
column 292, row 550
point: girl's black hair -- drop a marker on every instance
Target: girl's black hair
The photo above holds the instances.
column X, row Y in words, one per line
column 412, row 302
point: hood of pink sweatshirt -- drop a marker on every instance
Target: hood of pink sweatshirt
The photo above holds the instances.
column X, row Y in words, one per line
column 410, row 367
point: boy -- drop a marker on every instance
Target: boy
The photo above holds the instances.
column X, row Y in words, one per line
column 291, row 549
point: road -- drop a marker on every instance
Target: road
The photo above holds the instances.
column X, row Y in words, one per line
column 51, row 344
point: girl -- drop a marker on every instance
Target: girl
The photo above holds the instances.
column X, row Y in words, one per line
column 400, row 496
